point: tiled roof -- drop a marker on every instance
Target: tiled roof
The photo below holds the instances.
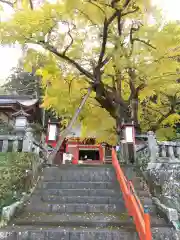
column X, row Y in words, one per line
column 16, row 97
column 10, row 99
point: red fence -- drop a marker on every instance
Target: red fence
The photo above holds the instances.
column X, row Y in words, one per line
column 140, row 215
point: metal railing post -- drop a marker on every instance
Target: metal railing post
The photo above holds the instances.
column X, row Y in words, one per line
column 135, row 209
column 147, row 223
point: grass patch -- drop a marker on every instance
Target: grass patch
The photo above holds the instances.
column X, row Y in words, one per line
column 13, row 166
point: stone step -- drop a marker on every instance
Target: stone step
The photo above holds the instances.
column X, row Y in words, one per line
column 84, row 220
column 80, row 177
column 45, row 233
column 79, row 185
column 79, row 174
column 40, row 206
column 74, row 220
column 82, row 168
column 68, row 196
column 81, row 199
column 81, row 233
column 108, row 160
column 79, row 192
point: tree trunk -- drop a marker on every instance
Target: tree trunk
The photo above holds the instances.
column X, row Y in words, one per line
column 134, row 109
column 69, row 127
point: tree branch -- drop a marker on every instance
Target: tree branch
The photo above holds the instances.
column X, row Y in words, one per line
column 114, row 97
column 140, row 87
column 126, row 3
column 72, row 40
column 11, row 4
column 50, row 31
column 31, row 4
column 113, row 77
column 145, row 42
column 105, row 103
column 132, row 77
column 107, row 22
column 86, row 15
column 119, row 23
column 67, row 59
column 130, row 12
column 96, row 5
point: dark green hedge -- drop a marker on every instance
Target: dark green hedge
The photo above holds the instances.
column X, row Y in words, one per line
column 13, row 168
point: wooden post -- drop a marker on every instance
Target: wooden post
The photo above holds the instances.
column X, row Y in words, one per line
column 101, row 154
column 147, row 223
column 75, row 159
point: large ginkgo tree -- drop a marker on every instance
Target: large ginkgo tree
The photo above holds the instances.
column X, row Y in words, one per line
column 121, row 49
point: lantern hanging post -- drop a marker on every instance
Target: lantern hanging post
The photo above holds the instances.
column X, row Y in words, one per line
column 128, row 142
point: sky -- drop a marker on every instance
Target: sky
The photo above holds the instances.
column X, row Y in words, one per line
column 9, row 56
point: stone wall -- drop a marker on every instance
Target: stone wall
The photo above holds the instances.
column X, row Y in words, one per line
column 19, row 143
column 143, row 156
column 160, row 165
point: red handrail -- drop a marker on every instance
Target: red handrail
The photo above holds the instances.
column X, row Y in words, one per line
column 134, row 207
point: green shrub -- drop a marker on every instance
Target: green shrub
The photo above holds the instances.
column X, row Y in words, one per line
column 13, row 168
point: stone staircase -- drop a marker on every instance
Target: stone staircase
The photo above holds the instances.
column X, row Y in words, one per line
column 79, row 203
column 108, row 160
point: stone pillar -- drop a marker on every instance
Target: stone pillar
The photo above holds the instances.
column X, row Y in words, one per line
column 171, row 153
column 28, row 141
column 15, row 145
column 163, row 150
column 153, row 149
column 178, row 152
column 5, row 146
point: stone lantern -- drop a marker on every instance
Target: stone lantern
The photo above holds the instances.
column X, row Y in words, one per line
column 22, row 129
column 21, row 121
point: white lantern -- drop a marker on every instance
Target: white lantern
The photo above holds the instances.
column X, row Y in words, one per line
column 129, row 133
column 52, row 135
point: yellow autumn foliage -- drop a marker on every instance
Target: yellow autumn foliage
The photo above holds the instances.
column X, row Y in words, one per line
column 67, row 34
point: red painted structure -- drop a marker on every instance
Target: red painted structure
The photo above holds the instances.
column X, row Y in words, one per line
column 74, row 146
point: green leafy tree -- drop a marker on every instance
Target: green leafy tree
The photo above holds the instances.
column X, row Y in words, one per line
column 117, row 52
column 23, row 83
